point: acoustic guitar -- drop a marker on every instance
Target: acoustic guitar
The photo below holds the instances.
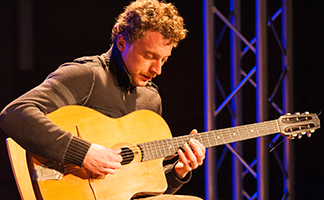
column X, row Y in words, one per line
column 145, row 139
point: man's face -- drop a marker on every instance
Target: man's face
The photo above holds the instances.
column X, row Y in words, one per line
column 144, row 57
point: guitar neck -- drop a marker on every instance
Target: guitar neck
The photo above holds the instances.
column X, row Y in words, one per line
column 170, row 146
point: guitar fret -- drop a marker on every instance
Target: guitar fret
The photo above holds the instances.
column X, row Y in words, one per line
column 175, row 145
column 144, row 151
column 202, row 138
column 161, row 147
column 230, row 134
column 261, row 129
column 251, row 131
column 147, row 152
column 152, row 150
column 165, row 147
column 266, row 128
column 256, row 130
column 210, row 139
column 169, row 146
column 273, row 126
column 269, row 127
column 226, row 136
column 159, row 153
column 235, row 134
column 247, row 131
column 214, row 139
column 206, row 136
column 151, row 153
column 219, row 137
column 187, row 138
column 243, row 132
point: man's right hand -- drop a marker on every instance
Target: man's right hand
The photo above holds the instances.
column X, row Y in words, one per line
column 102, row 160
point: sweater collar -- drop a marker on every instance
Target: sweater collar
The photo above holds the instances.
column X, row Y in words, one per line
column 117, row 67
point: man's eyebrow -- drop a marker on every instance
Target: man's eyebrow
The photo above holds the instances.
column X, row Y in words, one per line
column 155, row 54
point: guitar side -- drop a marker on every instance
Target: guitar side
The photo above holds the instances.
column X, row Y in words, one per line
column 132, row 179
column 18, row 161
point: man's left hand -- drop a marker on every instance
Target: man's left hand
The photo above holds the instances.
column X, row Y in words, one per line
column 190, row 158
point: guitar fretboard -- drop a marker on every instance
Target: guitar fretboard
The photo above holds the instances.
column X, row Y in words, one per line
column 167, row 147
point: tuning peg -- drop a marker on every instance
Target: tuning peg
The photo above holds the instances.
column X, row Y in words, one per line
column 297, row 113
column 300, row 136
column 288, row 113
column 309, row 134
column 291, row 137
column 306, row 113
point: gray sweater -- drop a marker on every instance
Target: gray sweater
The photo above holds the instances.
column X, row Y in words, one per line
column 99, row 82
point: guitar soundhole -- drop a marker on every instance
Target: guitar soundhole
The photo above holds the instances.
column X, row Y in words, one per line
column 127, row 154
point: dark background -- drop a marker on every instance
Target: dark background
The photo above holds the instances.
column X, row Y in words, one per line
column 64, row 30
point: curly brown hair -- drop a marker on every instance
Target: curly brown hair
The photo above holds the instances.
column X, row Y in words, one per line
column 143, row 15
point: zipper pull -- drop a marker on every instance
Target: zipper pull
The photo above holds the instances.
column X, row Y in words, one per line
column 124, row 96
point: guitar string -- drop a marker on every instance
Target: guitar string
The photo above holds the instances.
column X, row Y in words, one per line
column 129, row 156
column 282, row 141
column 223, row 134
column 205, row 140
column 183, row 140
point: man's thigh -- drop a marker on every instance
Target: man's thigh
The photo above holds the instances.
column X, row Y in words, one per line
column 171, row 197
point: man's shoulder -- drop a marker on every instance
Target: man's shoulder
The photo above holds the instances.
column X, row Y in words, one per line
column 90, row 60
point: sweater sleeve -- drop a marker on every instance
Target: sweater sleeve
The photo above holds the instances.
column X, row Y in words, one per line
column 174, row 183
column 25, row 119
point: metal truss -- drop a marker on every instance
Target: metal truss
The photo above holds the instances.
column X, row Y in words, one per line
column 253, row 60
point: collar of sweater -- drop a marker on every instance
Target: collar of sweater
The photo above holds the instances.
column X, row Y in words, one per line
column 117, row 67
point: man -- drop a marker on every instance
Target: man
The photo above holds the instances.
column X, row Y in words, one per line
column 115, row 83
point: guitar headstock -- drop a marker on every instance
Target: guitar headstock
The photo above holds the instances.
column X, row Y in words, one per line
column 297, row 125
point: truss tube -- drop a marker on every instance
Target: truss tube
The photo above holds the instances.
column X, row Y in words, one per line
column 288, row 153
column 238, row 156
column 25, row 35
column 235, row 52
column 260, row 70
column 209, row 97
column 262, row 101
column 236, row 90
column 221, row 16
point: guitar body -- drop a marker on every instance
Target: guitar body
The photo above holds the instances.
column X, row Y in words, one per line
column 132, row 179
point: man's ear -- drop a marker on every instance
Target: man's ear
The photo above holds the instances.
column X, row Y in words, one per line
column 121, row 43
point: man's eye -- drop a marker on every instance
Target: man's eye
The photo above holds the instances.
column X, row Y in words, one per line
column 148, row 57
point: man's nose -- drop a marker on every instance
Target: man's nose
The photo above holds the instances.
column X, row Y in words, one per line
column 156, row 68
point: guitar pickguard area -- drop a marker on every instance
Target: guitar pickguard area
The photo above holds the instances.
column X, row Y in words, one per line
column 49, row 171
